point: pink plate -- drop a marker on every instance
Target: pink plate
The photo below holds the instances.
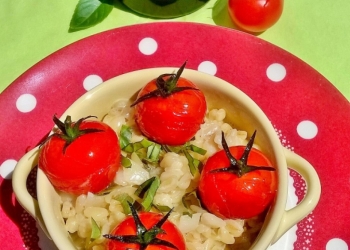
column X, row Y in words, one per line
column 310, row 115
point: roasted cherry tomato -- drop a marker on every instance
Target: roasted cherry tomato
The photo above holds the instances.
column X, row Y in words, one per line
column 81, row 157
column 237, row 182
column 146, row 231
column 255, row 15
column 170, row 109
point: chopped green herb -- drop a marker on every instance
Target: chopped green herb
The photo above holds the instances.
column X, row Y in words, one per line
column 125, row 136
column 126, row 162
column 162, row 208
column 192, row 163
column 190, row 199
column 187, row 213
column 153, row 152
column 95, row 230
column 147, row 191
column 140, row 192
column 196, row 149
column 175, row 149
column 124, row 199
column 149, row 196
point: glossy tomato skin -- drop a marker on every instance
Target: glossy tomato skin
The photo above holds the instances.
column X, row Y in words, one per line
column 173, row 120
column 255, row 15
column 89, row 163
column 229, row 196
column 148, row 219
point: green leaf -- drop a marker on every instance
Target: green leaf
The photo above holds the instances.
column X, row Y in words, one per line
column 141, row 190
column 192, row 163
column 124, row 199
column 147, row 191
column 190, row 199
column 197, row 150
column 162, row 208
column 125, row 136
column 149, row 196
column 95, row 230
column 136, row 146
column 88, row 13
column 153, row 152
column 126, row 162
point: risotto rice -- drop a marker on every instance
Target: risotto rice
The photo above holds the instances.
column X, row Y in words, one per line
column 201, row 229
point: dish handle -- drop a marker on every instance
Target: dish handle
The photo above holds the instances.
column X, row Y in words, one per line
column 19, row 183
column 311, row 198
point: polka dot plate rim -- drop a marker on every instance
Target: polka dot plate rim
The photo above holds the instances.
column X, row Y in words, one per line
column 307, row 111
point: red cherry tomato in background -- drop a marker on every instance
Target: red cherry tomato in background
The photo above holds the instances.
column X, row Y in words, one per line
column 171, row 120
column 229, row 196
column 255, row 15
column 127, row 227
column 88, row 164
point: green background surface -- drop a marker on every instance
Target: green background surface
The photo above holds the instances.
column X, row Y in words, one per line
column 316, row 31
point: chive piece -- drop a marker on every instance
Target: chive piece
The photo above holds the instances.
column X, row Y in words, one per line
column 96, row 231
column 125, row 136
column 124, row 198
column 149, row 195
column 126, row 162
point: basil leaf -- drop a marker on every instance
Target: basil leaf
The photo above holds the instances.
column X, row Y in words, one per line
column 136, row 146
column 125, row 136
column 95, row 230
column 124, row 199
column 147, row 191
column 126, row 162
column 141, row 190
column 193, row 163
column 190, row 199
column 162, row 208
column 197, row 150
column 153, row 152
column 149, row 195
column 88, row 13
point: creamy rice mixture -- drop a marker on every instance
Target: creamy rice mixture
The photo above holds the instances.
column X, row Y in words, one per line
column 202, row 230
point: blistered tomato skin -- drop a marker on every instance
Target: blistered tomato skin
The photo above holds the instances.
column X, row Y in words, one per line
column 89, row 163
column 172, row 120
column 229, row 196
column 255, row 15
column 127, row 227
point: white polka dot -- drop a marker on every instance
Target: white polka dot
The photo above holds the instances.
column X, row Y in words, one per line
column 276, row 72
column 7, row 168
column 207, row 67
column 148, row 46
column 307, row 129
column 337, row 244
column 92, row 81
column 26, row 103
